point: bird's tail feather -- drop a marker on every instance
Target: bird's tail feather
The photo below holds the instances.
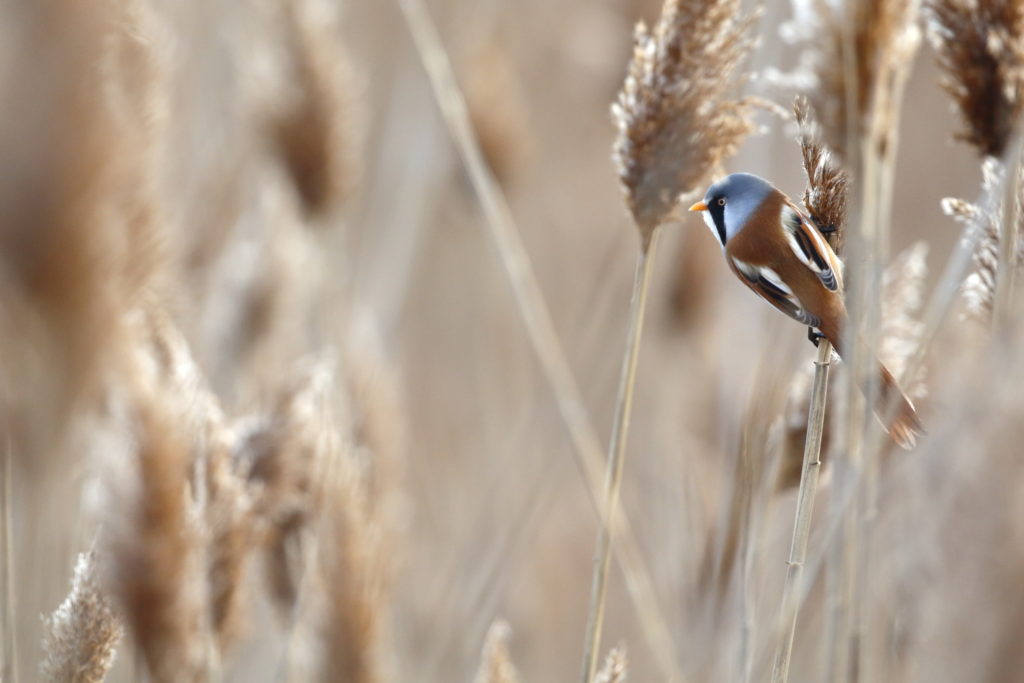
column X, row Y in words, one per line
column 893, row 409
column 896, row 412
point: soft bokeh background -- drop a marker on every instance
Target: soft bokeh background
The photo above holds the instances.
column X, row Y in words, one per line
column 495, row 519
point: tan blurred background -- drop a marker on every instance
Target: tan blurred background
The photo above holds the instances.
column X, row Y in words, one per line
column 496, row 520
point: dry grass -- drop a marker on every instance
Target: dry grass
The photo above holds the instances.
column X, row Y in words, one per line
column 271, row 411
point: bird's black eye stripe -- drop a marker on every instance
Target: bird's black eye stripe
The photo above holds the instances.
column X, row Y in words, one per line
column 717, row 210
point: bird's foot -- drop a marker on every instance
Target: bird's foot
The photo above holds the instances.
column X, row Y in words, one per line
column 814, row 336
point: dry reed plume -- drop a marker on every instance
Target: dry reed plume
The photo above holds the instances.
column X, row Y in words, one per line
column 83, row 633
column 827, row 189
column 676, row 119
column 985, row 221
column 859, row 53
column 495, row 663
column 980, row 49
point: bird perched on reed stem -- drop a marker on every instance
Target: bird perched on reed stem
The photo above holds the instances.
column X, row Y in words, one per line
column 779, row 253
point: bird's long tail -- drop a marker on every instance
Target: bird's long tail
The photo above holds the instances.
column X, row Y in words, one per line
column 892, row 407
column 896, row 412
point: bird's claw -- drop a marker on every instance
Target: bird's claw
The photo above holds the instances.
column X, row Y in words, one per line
column 814, row 336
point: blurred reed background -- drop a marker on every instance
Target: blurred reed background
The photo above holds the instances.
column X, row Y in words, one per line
column 271, row 411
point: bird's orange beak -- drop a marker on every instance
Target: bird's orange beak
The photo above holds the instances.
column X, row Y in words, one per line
column 699, row 206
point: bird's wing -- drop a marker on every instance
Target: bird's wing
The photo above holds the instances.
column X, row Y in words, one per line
column 767, row 284
column 810, row 247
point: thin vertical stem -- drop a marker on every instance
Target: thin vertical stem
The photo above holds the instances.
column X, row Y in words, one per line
column 1005, row 273
column 539, row 326
column 804, row 510
column 616, row 457
column 9, row 672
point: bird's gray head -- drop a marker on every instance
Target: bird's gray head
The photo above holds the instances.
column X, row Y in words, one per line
column 730, row 202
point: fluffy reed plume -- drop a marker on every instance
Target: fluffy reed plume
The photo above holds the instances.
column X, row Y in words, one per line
column 979, row 288
column 980, row 47
column 825, row 195
column 77, row 232
column 884, row 41
column 280, row 451
column 614, row 668
column 157, row 554
column 83, row 632
column 378, row 420
column 218, row 489
column 354, row 573
column 327, row 550
column 495, row 663
column 900, row 330
column 676, row 119
column 316, row 132
column 232, row 535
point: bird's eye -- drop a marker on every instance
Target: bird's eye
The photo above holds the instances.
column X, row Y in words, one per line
column 721, row 201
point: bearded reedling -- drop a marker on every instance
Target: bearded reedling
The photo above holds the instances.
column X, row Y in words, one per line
column 779, row 253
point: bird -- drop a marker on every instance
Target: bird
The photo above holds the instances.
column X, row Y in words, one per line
column 780, row 253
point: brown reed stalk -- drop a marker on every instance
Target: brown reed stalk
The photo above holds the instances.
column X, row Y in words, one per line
column 495, row 662
column 537, row 321
column 82, row 634
column 676, row 124
column 825, row 199
column 9, row 664
column 861, row 81
column 791, row 595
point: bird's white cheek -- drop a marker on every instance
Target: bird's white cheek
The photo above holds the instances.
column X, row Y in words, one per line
column 708, row 221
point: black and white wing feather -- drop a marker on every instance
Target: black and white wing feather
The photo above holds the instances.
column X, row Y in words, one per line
column 767, row 284
column 811, row 248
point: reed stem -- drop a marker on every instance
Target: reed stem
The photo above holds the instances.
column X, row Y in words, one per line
column 540, row 328
column 1006, row 271
column 804, row 509
column 616, row 456
column 9, row 671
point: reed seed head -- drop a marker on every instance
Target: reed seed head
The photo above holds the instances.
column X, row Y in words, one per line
column 675, row 115
column 980, row 49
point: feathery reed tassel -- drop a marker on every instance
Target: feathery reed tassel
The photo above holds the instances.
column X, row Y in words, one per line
column 614, row 668
column 675, row 124
column 676, row 121
column 157, row 554
column 495, row 663
column 316, row 135
column 984, row 221
column 354, row 574
column 826, row 194
column 232, row 535
column 83, row 632
column 980, row 49
column 856, row 52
